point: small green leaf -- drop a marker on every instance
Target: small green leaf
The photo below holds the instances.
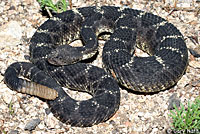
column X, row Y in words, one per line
column 186, row 119
column 58, row 7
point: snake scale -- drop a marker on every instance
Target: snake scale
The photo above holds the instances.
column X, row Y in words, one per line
column 55, row 64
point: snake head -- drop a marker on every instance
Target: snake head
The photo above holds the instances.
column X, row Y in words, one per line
column 64, row 55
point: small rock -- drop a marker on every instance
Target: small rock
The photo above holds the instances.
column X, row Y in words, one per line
column 154, row 130
column 37, row 132
column 10, row 34
column 29, row 32
column 47, row 111
column 196, row 83
column 50, row 121
column 173, row 100
column 141, row 100
column 1, row 77
column 183, row 81
column 115, row 131
column 14, row 132
column 7, row 97
column 147, row 115
column 194, row 64
column 32, row 124
column 41, row 126
column 195, row 52
column 112, row 122
column 140, row 114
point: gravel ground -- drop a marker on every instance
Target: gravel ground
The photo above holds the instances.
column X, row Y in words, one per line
column 138, row 113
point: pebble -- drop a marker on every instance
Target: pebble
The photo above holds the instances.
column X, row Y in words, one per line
column 173, row 100
column 183, row 81
column 195, row 64
column 154, row 130
column 140, row 114
column 10, row 34
column 51, row 121
column 41, row 126
column 30, row 31
column 14, row 132
column 147, row 115
column 37, row 132
column 195, row 52
column 196, row 83
column 32, row 124
column 7, row 97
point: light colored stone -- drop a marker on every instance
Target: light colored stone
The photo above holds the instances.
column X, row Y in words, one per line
column 140, row 114
column 147, row 115
column 154, row 130
column 7, row 97
column 50, row 121
column 41, row 126
column 10, row 33
column 194, row 64
column 1, row 77
column 183, row 81
column 37, row 132
column 30, row 31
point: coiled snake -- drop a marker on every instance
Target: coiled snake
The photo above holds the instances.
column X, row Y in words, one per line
column 55, row 64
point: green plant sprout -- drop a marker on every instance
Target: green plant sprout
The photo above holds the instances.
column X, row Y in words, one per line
column 186, row 119
column 11, row 110
column 58, row 7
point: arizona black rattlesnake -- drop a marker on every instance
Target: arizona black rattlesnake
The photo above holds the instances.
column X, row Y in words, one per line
column 129, row 28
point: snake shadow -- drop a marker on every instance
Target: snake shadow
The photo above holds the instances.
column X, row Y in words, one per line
column 90, row 60
column 142, row 93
